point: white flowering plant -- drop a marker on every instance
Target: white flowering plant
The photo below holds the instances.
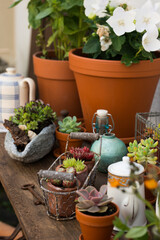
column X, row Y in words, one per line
column 126, row 30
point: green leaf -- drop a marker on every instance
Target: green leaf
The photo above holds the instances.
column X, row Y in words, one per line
column 15, row 3
column 151, row 217
column 119, row 234
column 136, row 232
column 46, row 12
column 118, row 42
column 52, row 38
column 93, row 45
column 33, row 11
column 71, row 3
column 120, row 225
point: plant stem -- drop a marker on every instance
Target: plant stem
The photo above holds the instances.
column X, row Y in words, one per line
column 80, row 26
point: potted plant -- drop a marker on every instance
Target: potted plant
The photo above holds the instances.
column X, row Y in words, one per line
column 118, row 60
column 84, row 154
column 144, row 153
column 152, row 229
column 95, row 213
column 66, row 126
column 68, row 26
column 61, row 199
column 31, row 132
column 71, row 165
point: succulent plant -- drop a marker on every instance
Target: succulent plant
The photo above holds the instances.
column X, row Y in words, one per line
column 33, row 115
column 144, row 152
column 82, row 153
column 132, row 149
column 72, row 162
column 80, row 166
column 69, row 124
column 69, row 184
column 92, row 201
column 149, row 142
column 69, row 162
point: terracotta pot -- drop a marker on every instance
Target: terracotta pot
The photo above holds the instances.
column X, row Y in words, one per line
column 82, row 175
column 62, row 139
column 65, row 203
column 56, row 84
column 94, row 228
column 106, row 84
column 148, row 193
column 89, row 164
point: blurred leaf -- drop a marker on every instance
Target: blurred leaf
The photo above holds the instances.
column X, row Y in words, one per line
column 15, row 3
column 136, row 232
column 44, row 13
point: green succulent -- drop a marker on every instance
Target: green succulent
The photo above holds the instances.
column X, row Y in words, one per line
column 144, row 152
column 149, row 142
column 72, row 162
column 33, row 114
column 132, row 149
column 69, row 162
column 80, row 166
column 69, row 124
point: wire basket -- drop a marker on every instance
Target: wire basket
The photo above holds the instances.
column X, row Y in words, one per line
column 146, row 126
column 60, row 203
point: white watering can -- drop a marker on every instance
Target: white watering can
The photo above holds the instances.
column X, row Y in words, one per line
column 132, row 209
column 15, row 91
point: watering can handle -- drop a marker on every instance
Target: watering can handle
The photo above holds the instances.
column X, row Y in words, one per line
column 84, row 136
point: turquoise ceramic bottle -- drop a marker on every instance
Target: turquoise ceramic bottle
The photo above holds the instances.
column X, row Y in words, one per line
column 112, row 150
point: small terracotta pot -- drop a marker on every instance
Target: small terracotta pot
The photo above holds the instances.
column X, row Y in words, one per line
column 82, row 175
column 94, row 228
column 56, row 84
column 62, row 139
column 65, row 203
column 89, row 164
column 148, row 193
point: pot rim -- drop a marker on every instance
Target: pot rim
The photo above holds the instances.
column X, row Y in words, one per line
column 100, row 218
column 72, row 51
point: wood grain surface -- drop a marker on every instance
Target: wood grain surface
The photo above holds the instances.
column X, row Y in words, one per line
column 35, row 223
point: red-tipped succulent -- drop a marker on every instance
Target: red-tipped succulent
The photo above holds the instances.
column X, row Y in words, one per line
column 82, row 153
column 91, row 200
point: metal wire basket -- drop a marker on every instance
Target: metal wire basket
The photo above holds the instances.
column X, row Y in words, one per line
column 146, row 126
column 60, row 203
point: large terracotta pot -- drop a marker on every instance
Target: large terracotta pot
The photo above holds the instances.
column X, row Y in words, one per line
column 56, row 84
column 123, row 91
column 94, row 228
column 63, row 137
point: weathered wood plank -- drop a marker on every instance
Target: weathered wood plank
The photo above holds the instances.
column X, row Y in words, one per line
column 34, row 220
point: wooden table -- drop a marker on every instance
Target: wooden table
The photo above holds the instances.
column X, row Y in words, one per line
column 34, row 220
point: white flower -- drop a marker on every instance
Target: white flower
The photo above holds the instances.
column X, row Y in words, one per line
column 122, row 21
column 150, row 41
column 131, row 4
column 105, row 43
column 95, row 8
column 146, row 17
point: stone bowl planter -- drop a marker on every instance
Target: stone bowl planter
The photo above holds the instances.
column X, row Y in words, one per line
column 35, row 149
